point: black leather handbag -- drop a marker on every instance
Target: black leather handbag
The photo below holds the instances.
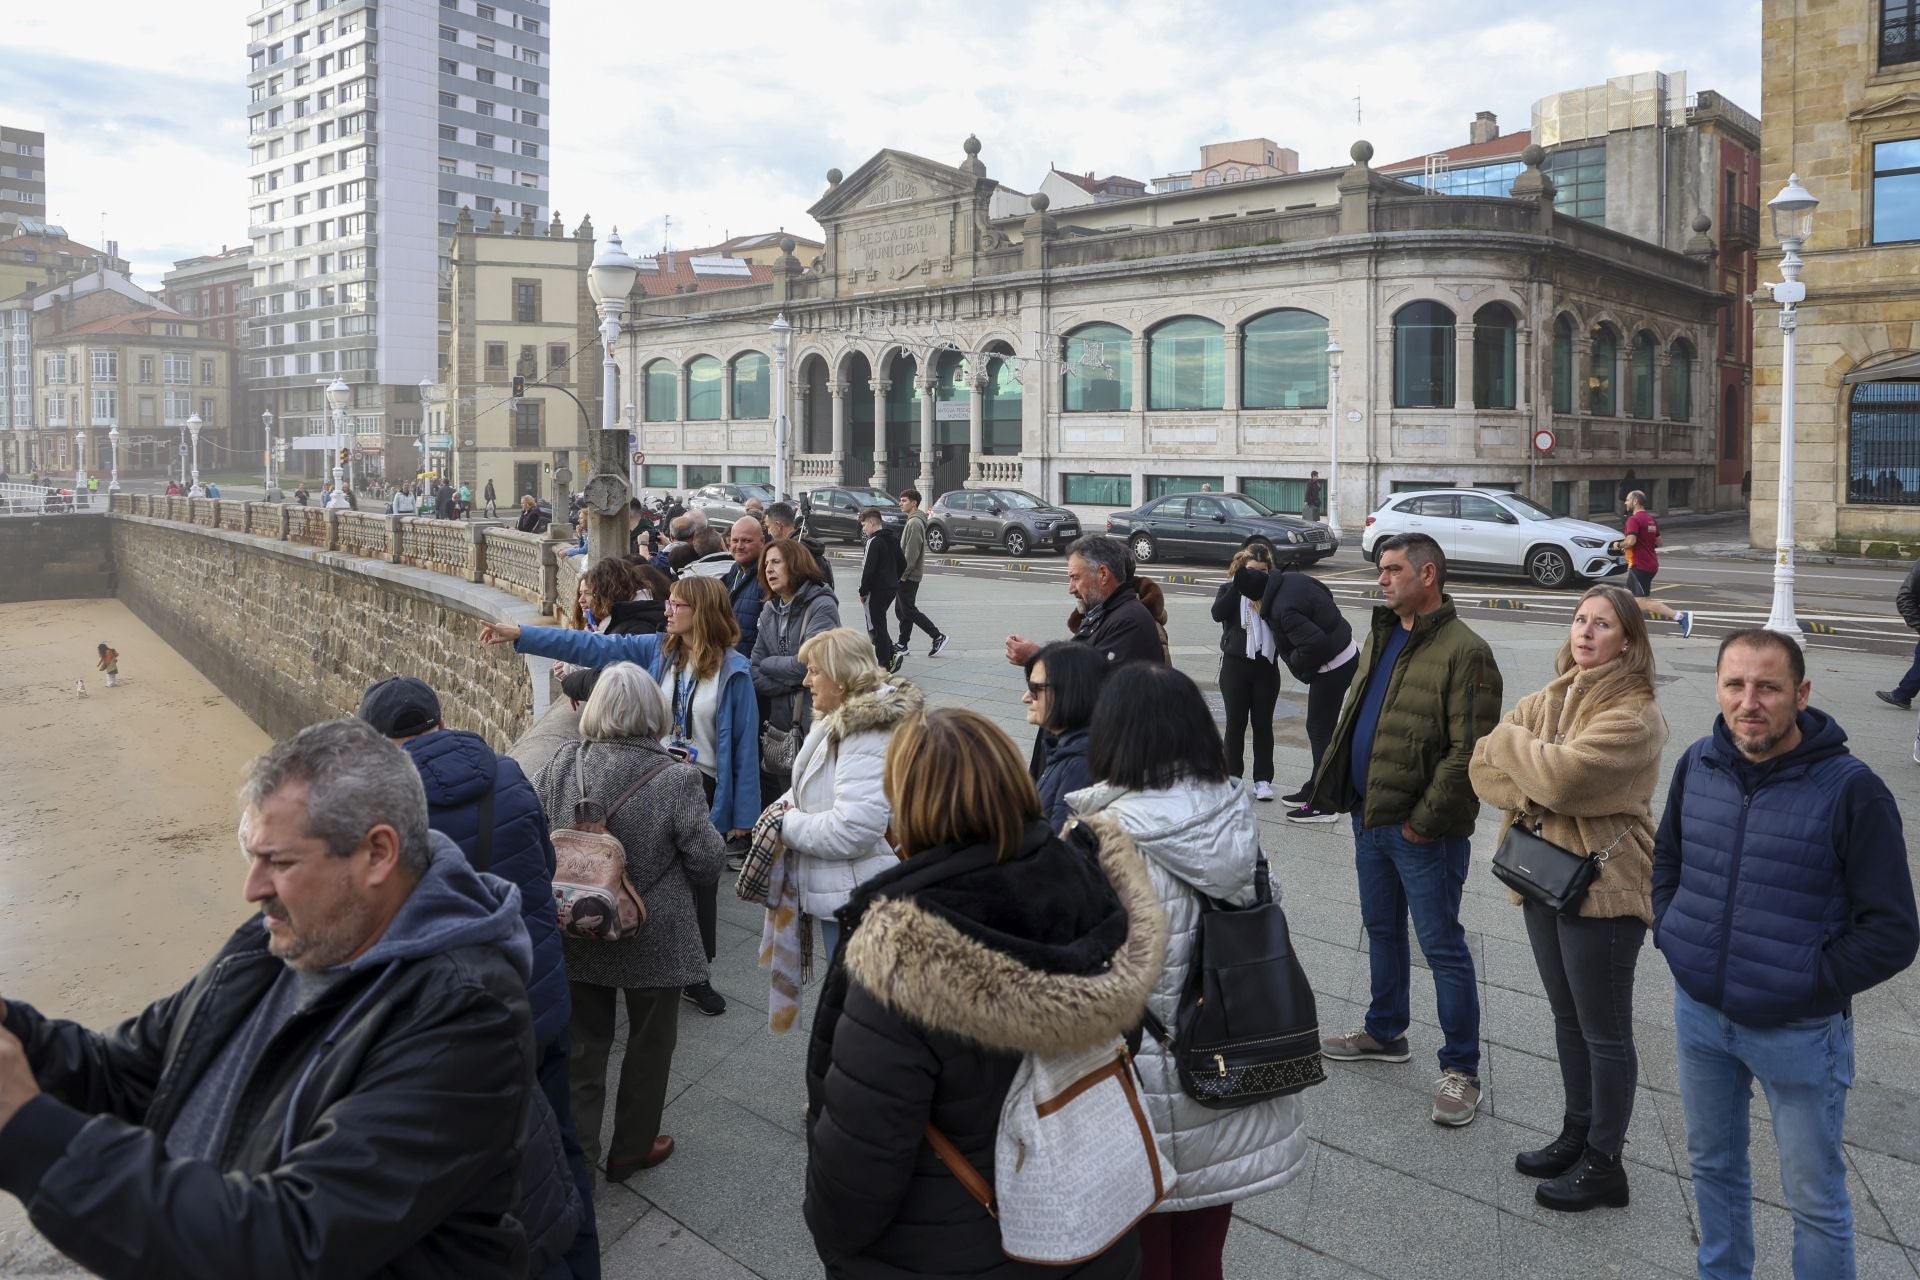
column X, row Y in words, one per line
column 1541, row 871
column 1247, row 1028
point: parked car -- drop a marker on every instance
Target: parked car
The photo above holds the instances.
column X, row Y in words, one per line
column 1495, row 532
column 725, row 503
column 1010, row 518
column 1212, row 526
column 833, row 511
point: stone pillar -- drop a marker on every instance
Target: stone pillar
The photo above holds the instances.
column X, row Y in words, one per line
column 726, row 393
column 837, row 390
column 333, row 529
column 879, row 477
column 976, row 425
column 1463, row 367
column 1622, row 369
column 1140, row 375
column 1662, row 370
column 1582, row 370
column 1230, row 391
column 284, row 511
column 683, row 390
column 1522, row 368
column 393, row 539
column 924, row 482
column 477, row 552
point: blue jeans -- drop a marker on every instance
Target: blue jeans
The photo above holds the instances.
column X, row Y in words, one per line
column 1805, row 1066
column 1399, row 877
column 829, row 940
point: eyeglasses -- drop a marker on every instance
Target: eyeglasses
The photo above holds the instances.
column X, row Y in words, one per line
column 1035, row 690
column 675, row 603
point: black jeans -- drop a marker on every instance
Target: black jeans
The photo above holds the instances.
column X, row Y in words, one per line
column 1249, row 687
column 876, row 605
column 1586, row 964
column 706, row 897
column 907, row 609
column 1324, row 696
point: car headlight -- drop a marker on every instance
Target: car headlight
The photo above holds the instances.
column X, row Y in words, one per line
column 1043, row 525
column 1589, row 543
column 1293, row 535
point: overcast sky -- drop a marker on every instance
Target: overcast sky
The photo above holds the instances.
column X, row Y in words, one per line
column 726, row 117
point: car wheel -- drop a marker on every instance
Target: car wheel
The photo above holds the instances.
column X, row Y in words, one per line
column 1142, row 548
column 1366, row 553
column 936, row 539
column 1016, row 541
column 1549, row 567
column 1258, row 541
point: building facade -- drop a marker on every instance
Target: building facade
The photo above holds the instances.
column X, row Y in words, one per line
column 216, row 289
column 1246, row 160
column 1180, row 339
column 77, row 274
column 1841, row 96
column 23, row 175
column 520, row 308
column 370, row 128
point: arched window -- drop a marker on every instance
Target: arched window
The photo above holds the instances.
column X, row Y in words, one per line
column 1730, row 426
column 1098, row 377
column 1213, row 177
column 1645, row 350
column 1494, row 384
column 1187, row 365
column 1000, row 414
column 1233, row 175
column 1680, row 364
column 752, row 386
column 1563, row 365
column 1423, row 357
column 816, row 407
column 1883, row 443
column 1600, row 371
column 1283, row 361
column 703, row 389
column 663, row 391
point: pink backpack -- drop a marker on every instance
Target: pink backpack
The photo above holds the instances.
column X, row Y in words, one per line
column 592, row 896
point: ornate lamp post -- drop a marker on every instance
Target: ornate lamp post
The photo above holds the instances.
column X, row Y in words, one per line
column 1792, row 214
column 193, row 430
column 609, row 281
column 79, row 467
column 337, row 395
column 113, row 444
column 782, row 338
column 267, row 447
column 1333, row 437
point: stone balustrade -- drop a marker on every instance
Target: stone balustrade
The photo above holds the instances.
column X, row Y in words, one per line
column 518, row 562
column 816, row 467
column 266, row 519
column 566, row 579
column 452, row 547
column 307, row 526
column 1012, row 471
column 362, row 533
column 231, row 515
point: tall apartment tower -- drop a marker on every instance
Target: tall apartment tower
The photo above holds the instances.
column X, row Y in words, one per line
column 23, row 176
column 371, row 124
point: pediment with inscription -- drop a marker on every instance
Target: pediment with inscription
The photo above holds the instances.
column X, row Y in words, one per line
column 895, row 178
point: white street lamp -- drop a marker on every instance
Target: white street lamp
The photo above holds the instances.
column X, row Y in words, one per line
column 782, row 338
column 609, row 280
column 1792, row 214
column 113, row 443
column 337, row 395
column 193, row 430
column 267, row 447
column 1333, row 437
column 79, row 467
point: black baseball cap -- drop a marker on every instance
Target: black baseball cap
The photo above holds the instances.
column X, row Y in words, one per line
column 400, row 707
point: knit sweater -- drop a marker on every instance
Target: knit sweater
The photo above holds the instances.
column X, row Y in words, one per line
column 1582, row 756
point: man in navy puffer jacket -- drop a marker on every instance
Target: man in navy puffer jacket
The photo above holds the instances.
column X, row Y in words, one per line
column 458, row 770
column 1780, row 892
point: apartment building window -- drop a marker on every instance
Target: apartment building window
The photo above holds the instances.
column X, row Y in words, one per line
column 530, row 56
column 106, row 406
column 449, row 67
column 529, row 117
column 483, row 140
column 449, row 166
column 449, row 133
column 106, row 365
column 56, row 411
column 449, row 199
column 526, row 424
column 530, row 149
column 179, row 407
column 146, row 370
column 556, row 357
column 484, row 172
column 530, row 25
column 496, row 357
column 179, row 369
column 1899, row 32
column 483, row 43
column 451, row 101
column 56, row 367
column 1896, row 190
column 206, row 373
column 482, row 107
column 531, row 87
column 483, row 75
column 484, row 12
column 483, row 204
column 526, row 301
column 450, row 35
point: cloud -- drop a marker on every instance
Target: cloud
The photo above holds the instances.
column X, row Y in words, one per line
column 660, row 111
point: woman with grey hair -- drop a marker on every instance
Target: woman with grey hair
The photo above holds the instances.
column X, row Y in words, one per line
column 671, row 846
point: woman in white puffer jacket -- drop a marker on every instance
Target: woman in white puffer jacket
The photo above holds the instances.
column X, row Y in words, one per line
column 1159, row 770
column 837, row 813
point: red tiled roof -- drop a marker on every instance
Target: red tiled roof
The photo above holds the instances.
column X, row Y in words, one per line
column 1095, row 186
column 134, row 322
column 50, row 244
column 662, row 282
column 1505, row 146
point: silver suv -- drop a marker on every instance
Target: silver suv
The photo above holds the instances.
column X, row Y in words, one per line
column 1010, row 518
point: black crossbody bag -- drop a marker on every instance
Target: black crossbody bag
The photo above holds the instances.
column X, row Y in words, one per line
column 1542, row 872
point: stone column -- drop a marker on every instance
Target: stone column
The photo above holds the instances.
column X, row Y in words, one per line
column 1463, row 367
column 682, row 394
column 1522, row 368
column 976, row 425
column 879, row 477
column 1140, row 376
column 838, row 392
column 1582, row 370
column 1622, row 370
column 1662, row 370
column 1230, row 377
column 726, row 393
column 924, row 482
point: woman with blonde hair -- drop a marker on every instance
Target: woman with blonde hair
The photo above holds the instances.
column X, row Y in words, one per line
column 673, row 854
column 714, row 720
column 993, row 938
column 1577, row 762
column 836, row 813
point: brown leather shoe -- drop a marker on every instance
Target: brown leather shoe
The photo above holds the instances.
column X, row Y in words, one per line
column 621, row 1170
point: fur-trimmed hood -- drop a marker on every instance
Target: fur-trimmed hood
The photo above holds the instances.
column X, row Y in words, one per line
column 884, row 709
column 1043, row 953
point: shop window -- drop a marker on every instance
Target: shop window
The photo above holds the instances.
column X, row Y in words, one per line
column 1286, row 495
column 1883, row 443
column 1161, row 486
column 1096, row 491
column 701, row 477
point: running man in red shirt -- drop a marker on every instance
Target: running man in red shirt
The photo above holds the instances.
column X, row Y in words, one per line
column 1641, row 544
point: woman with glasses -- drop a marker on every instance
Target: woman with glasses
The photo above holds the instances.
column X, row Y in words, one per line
column 714, row 717
column 1063, row 683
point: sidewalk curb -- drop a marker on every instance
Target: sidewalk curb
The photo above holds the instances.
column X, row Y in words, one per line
column 1762, row 555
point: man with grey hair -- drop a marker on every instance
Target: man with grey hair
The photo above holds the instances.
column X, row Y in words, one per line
column 1119, row 615
column 340, row 1092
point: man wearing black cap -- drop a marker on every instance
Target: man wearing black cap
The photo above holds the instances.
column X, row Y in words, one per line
column 483, row 802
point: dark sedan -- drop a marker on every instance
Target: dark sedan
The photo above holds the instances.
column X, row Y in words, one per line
column 1212, row 526
column 833, row 511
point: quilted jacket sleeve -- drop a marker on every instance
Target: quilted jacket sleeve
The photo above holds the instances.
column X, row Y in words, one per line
column 1472, row 708
column 860, row 811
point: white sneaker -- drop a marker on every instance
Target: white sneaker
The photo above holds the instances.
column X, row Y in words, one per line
column 1685, row 619
column 1263, row 791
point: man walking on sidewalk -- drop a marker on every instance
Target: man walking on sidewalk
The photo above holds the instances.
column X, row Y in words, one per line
column 1907, row 601
column 913, row 550
column 880, row 564
column 1640, row 542
column 1315, row 494
column 1780, row 892
column 1427, row 690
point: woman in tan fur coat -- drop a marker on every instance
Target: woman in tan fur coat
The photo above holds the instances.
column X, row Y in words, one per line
column 1580, row 759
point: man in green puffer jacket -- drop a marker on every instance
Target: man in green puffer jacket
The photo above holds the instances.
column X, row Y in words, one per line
column 1427, row 690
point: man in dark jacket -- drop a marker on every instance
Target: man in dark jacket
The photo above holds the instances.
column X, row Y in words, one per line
column 484, row 803
column 1780, row 892
column 1907, row 601
column 746, row 540
column 341, row 1092
column 1113, row 616
column 1427, row 690
column 881, row 564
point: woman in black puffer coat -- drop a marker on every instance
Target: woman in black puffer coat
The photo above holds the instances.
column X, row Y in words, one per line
column 992, row 939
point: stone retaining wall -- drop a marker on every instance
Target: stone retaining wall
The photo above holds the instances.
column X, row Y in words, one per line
column 64, row 557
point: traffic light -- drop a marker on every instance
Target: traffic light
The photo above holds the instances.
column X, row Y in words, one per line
column 343, row 455
column 519, row 386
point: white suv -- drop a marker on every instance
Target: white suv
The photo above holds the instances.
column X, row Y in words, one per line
column 1492, row 531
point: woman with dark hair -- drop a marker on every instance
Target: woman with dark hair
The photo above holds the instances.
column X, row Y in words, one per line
column 1249, row 671
column 1162, row 776
column 624, row 599
column 1063, row 684
column 1578, row 762
column 799, row 606
column 990, row 940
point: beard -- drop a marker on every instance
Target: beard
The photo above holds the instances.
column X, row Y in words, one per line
column 322, row 944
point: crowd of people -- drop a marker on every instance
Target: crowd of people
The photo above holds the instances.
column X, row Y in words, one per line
column 401, row 1064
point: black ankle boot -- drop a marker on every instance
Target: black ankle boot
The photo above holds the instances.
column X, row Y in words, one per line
column 1599, row 1179
column 1557, row 1156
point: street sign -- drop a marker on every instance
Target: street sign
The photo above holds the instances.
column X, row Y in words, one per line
column 1543, row 440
